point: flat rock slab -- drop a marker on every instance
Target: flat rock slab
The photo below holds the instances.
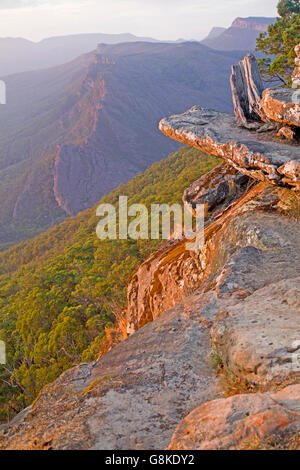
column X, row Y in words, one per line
column 254, row 154
column 282, row 105
column 260, row 337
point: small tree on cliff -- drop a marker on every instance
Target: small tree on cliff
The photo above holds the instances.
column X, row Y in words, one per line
column 279, row 42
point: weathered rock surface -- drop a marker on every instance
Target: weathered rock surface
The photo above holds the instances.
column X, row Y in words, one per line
column 267, row 248
column 256, row 155
column 282, row 105
column 169, row 274
column 132, row 398
column 217, row 189
column 259, row 338
column 136, row 394
column 253, row 104
column 243, row 422
column 251, row 252
column 287, row 132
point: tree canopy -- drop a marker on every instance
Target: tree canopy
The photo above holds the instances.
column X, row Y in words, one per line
column 278, row 44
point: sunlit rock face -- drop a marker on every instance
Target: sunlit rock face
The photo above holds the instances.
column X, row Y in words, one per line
column 243, row 422
column 282, row 105
column 258, row 155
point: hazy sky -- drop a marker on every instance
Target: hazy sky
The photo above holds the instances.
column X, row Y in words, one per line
column 163, row 19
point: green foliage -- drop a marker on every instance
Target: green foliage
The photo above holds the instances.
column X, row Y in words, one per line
column 60, row 290
column 279, row 43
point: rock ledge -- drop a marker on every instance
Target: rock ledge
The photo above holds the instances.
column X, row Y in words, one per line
column 258, row 155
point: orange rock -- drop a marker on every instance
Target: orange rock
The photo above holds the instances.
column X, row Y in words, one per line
column 239, row 422
column 286, row 133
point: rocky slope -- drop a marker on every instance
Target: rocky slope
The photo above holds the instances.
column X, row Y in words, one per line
column 211, row 359
column 215, row 32
column 252, row 251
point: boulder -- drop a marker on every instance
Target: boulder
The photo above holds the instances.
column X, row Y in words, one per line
column 258, row 339
column 287, row 133
column 243, row 422
column 217, row 189
column 290, row 172
column 282, row 105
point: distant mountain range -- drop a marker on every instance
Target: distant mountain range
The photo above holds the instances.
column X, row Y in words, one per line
column 241, row 35
column 20, row 55
column 71, row 133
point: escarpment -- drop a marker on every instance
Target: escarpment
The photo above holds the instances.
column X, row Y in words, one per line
column 212, row 355
column 73, row 133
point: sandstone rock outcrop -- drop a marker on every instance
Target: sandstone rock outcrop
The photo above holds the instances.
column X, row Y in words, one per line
column 136, row 394
column 169, row 274
column 253, row 23
column 287, row 132
column 259, row 339
column 217, row 189
column 253, row 103
column 282, row 105
column 243, row 422
column 257, row 155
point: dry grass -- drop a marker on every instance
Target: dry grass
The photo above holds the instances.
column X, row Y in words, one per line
column 289, row 202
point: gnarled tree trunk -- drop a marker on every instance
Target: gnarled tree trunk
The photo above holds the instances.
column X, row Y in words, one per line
column 247, row 88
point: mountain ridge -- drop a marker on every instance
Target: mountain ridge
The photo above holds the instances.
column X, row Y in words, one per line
column 18, row 55
column 242, row 32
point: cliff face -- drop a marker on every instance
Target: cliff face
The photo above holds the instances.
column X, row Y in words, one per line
column 170, row 274
column 253, row 23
